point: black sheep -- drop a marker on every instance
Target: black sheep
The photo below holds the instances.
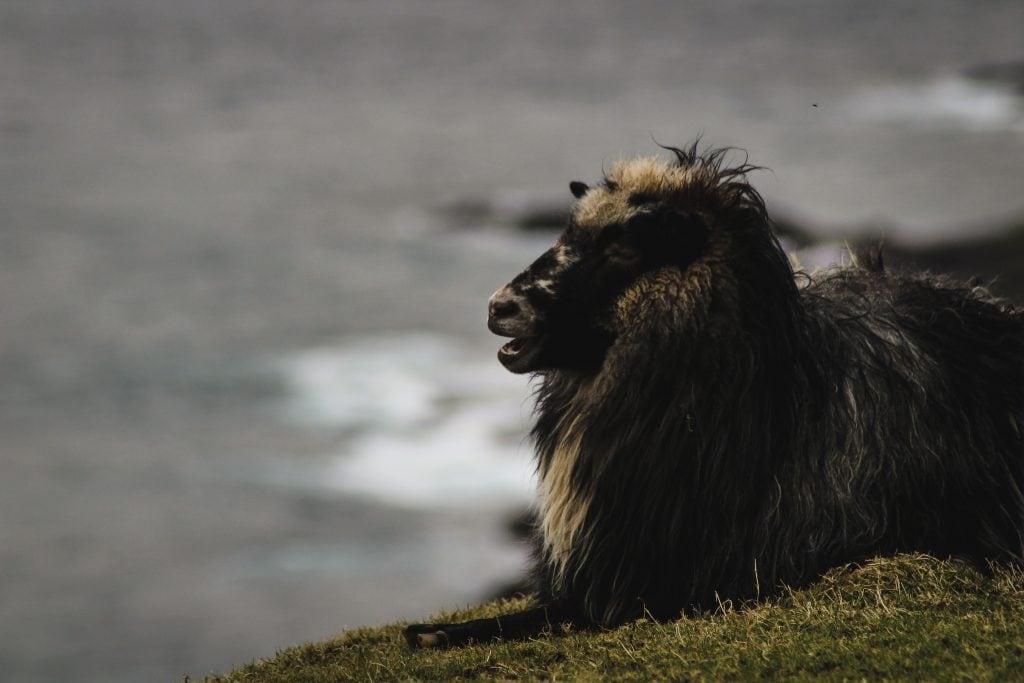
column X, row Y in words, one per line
column 711, row 426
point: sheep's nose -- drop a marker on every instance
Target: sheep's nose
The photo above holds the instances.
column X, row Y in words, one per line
column 510, row 315
column 502, row 306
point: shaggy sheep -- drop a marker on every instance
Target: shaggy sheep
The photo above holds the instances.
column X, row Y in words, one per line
column 711, row 426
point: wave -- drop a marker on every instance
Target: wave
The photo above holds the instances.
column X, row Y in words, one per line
column 953, row 102
column 424, row 422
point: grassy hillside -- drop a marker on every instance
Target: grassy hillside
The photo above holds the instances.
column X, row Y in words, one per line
column 910, row 617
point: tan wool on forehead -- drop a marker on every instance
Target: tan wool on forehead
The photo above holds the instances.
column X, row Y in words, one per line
column 647, row 175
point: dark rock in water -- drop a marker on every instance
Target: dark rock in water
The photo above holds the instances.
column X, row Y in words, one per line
column 997, row 259
column 531, row 214
column 790, row 230
column 541, row 218
column 521, row 526
column 467, row 213
column 512, row 589
column 1010, row 74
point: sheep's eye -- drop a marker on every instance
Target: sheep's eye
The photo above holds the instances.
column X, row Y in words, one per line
column 622, row 254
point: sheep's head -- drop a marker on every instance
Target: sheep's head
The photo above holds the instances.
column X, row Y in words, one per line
column 646, row 215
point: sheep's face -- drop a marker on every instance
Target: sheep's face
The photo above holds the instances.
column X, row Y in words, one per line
column 559, row 310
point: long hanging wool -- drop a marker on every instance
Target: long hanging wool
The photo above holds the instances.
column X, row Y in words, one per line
column 713, row 426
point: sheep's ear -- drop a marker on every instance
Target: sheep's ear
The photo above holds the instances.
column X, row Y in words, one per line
column 578, row 189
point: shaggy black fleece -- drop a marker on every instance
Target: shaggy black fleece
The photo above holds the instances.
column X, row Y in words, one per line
column 720, row 426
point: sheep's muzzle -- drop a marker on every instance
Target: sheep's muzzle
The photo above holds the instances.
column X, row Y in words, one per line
column 510, row 315
column 520, row 354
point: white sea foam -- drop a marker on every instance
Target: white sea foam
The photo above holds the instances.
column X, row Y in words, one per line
column 429, row 424
column 368, row 382
column 947, row 102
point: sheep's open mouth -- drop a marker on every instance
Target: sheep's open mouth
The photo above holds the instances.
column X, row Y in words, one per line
column 519, row 354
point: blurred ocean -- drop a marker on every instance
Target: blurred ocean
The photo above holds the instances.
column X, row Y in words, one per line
column 247, row 397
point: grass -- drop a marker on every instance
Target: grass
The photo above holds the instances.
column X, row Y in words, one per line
column 908, row 617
